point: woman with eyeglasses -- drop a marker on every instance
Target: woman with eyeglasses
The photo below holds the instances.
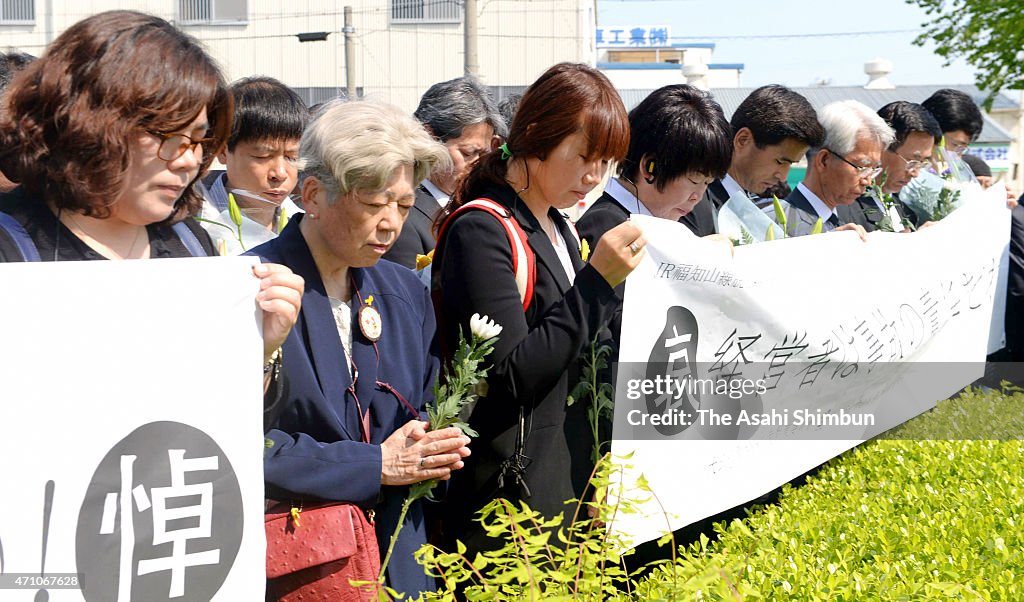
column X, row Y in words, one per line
column 106, row 136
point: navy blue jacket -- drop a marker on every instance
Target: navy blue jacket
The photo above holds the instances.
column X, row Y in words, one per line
column 318, row 453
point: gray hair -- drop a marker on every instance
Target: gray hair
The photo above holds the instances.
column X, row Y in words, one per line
column 449, row 107
column 358, row 145
column 846, row 121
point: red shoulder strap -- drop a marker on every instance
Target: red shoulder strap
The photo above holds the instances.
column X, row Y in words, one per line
column 523, row 260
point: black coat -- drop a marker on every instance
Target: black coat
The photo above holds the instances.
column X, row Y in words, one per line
column 602, row 216
column 55, row 242
column 865, row 211
column 417, row 236
column 534, row 363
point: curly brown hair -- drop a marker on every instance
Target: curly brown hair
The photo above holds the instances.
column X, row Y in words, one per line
column 67, row 121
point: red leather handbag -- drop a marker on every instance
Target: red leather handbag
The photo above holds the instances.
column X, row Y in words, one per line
column 314, row 552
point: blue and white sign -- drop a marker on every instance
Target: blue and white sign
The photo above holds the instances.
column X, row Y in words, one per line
column 997, row 156
column 634, row 36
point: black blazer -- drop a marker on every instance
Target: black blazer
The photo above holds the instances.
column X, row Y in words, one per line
column 417, row 237
column 534, row 363
column 865, row 211
column 701, row 221
column 602, row 216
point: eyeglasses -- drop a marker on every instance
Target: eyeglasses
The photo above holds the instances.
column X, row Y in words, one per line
column 957, row 147
column 173, row 146
column 911, row 164
column 862, row 171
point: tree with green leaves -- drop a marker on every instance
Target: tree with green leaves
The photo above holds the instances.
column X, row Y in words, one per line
column 988, row 34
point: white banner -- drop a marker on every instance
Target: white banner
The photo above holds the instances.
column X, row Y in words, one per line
column 131, row 453
column 739, row 373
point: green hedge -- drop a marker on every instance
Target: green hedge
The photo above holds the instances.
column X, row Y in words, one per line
column 910, row 517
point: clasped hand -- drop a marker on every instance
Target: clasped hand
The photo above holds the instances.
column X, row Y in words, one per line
column 412, row 454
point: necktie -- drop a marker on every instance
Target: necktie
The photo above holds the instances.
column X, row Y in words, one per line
column 833, row 220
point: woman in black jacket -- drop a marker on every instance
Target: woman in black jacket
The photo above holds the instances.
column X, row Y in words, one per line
column 532, row 446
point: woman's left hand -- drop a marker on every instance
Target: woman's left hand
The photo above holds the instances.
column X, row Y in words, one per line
column 280, row 298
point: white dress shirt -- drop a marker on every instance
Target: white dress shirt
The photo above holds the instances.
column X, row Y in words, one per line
column 435, row 192
column 823, row 210
column 626, row 198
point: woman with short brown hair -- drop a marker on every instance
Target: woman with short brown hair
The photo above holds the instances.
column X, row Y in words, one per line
column 106, row 136
column 66, row 119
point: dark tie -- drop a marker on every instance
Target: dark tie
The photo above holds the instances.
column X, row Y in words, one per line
column 834, row 220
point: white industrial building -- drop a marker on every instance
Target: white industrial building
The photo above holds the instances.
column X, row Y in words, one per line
column 401, row 46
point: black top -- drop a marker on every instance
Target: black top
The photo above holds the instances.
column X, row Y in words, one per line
column 865, row 211
column 1015, row 287
column 534, row 365
column 56, row 242
column 602, row 216
column 417, row 236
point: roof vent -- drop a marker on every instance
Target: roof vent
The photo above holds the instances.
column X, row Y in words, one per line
column 696, row 75
column 878, row 71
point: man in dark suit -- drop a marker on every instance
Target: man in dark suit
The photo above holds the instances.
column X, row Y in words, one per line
column 917, row 132
column 840, row 170
column 772, row 129
column 460, row 114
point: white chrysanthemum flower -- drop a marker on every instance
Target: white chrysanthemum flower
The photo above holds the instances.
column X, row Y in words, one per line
column 483, row 328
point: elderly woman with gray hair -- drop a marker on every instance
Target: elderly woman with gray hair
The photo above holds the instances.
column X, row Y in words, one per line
column 460, row 114
column 362, row 358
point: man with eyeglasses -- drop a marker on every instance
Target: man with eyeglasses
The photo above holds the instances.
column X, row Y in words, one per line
column 961, row 122
column 840, row 170
column 958, row 116
column 917, row 132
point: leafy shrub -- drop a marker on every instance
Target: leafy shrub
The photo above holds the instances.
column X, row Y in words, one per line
column 908, row 517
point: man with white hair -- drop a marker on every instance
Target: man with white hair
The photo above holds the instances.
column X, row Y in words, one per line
column 840, row 170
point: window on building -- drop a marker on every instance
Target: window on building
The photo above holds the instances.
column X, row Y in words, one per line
column 17, row 11
column 426, row 11
column 212, row 11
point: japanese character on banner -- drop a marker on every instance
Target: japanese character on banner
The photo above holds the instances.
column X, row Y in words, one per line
column 818, row 362
column 846, row 366
column 731, row 353
column 146, row 527
column 780, row 354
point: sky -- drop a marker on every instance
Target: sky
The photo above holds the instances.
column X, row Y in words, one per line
column 800, row 55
